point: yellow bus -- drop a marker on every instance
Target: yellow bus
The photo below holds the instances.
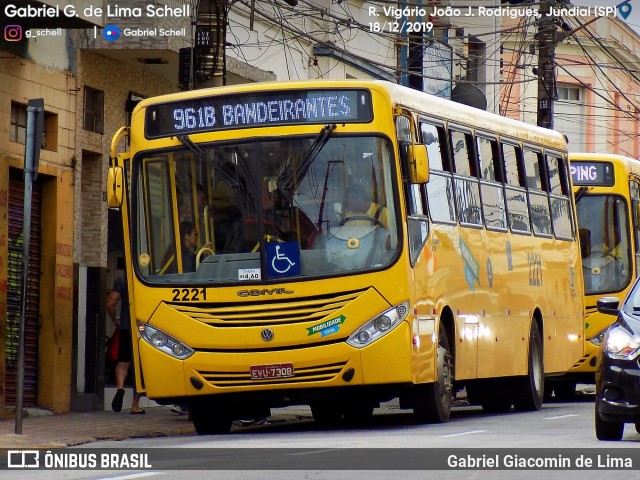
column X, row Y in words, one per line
column 339, row 244
column 607, row 192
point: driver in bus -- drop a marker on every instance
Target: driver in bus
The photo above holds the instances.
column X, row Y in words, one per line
column 188, row 245
column 360, row 209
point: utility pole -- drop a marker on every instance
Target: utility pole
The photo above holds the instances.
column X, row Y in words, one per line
column 415, row 60
column 33, row 142
column 546, row 65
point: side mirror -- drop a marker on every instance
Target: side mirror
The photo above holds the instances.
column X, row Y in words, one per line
column 115, row 187
column 608, row 305
column 418, row 163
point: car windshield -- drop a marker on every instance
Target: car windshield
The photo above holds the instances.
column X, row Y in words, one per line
column 604, row 242
column 264, row 209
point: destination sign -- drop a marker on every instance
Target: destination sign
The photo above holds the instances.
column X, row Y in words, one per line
column 260, row 109
column 592, row 173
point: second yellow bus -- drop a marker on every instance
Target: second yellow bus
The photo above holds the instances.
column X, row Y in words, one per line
column 607, row 191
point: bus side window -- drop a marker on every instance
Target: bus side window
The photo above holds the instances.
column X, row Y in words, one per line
column 460, row 152
column 417, row 221
column 493, row 207
column 516, row 194
column 558, row 198
column 535, row 173
column 440, row 186
column 467, row 189
column 416, row 200
column 636, row 227
column 432, row 138
column 634, row 191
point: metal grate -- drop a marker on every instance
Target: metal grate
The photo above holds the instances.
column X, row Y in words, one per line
column 313, row 373
column 270, row 313
column 14, row 302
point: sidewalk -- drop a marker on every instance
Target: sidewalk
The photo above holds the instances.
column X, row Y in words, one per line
column 41, row 429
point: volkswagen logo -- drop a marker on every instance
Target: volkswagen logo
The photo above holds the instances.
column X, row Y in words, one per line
column 267, row 334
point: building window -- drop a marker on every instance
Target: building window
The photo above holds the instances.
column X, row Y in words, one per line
column 476, row 62
column 569, row 93
column 93, row 110
column 18, row 127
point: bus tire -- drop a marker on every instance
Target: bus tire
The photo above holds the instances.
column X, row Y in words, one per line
column 432, row 401
column 209, row 419
column 608, row 430
column 528, row 391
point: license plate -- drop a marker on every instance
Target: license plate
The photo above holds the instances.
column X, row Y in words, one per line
column 279, row 370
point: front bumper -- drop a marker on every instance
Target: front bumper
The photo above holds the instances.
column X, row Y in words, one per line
column 336, row 365
column 618, row 389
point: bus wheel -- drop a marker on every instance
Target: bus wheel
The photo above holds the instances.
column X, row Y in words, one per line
column 608, row 430
column 326, row 414
column 432, row 402
column 210, row 419
column 528, row 391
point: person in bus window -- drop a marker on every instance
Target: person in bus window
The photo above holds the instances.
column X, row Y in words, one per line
column 186, row 212
column 188, row 245
column 246, row 233
column 360, row 209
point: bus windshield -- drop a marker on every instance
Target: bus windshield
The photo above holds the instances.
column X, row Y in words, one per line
column 605, row 244
column 262, row 209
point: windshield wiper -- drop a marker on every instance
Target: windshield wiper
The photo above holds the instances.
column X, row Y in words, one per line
column 580, row 192
column 202, row 156
column 318, row 144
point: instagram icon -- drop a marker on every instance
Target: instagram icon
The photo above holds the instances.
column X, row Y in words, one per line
column 13, row 33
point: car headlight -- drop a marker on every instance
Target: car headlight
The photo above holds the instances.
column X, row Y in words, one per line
column 379, row 326
column 621, row 344
column 164, row 342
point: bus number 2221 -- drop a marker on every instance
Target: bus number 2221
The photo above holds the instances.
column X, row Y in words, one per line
column 189, row 294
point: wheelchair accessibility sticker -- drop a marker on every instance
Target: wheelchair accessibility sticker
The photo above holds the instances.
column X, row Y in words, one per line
column 283, row 259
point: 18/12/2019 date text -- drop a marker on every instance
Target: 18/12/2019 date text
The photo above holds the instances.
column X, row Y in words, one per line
column 400, row 27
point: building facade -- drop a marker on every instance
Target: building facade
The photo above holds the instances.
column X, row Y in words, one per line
column 90, row 84
column 597, row 85
column 38, row 68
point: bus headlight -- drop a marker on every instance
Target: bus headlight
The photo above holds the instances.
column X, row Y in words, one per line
column 164, row 342
column 598, row 338
column 379, row 326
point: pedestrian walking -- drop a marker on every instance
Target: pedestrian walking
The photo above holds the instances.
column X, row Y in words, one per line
column 123, row 323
